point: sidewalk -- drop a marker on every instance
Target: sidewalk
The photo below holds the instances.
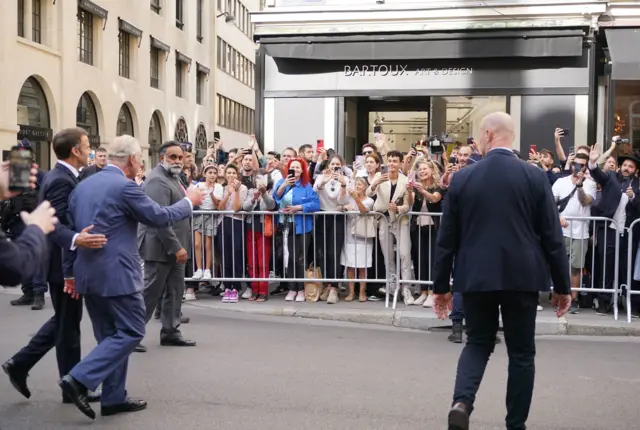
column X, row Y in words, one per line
column 586, row 323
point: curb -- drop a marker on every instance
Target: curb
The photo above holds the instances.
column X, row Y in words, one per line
column 545, row 325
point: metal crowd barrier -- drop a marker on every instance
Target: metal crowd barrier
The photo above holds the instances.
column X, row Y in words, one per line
column 630, row 268
column 230, row 242
column 233, row 244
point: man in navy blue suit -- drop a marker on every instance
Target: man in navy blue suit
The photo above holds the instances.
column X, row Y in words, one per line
column 501, row 225
column 62, row 330
column 110, row 279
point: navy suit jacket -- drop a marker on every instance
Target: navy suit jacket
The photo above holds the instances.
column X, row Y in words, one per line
column 501, row 225
column 20, row 258
column 115, row 205
column 56, row 188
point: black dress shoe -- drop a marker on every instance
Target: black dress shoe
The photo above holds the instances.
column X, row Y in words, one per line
column 92, row 397
column 185, row 320
column 176, row 341
column 22, row 301
column 18, row 379
column 458, row 417
column 38, row 302
column 130, row 405
column 140, row 348
column 76, row 392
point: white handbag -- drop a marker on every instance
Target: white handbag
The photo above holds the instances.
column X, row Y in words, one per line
column 364, row 227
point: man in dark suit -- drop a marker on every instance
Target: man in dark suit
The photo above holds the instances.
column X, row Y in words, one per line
column 165, row 251
column 62, row 330
column 100, row 163
column 501, row 225
column 110, row 279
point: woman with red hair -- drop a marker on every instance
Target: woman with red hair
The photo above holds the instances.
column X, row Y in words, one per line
column 294, row 196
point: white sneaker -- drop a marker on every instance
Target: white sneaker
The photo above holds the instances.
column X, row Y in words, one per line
column 539, row 308
column 188, row 297
column 429, row 302
column 300, row 296
column 198, row 274
column 291, row 296
column 247, row 293
column 408, row 297
column 207, row 274
column 420, row 300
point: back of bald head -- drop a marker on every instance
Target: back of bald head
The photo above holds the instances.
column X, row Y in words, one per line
column 501, row 125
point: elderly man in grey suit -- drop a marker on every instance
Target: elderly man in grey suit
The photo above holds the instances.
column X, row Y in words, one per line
column 165, row 251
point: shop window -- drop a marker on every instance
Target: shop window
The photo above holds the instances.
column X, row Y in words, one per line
column 626, row 114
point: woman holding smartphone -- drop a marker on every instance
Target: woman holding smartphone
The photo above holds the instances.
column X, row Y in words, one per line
column 425, row 195
column 295, row 197
column 329, row 231
column 231, row 233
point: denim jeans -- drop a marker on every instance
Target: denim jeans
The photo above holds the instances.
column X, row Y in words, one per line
column 458, row 312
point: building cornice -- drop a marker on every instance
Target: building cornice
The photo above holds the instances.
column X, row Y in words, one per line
column 432, row 16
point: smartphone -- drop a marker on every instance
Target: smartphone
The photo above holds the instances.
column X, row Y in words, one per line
column 377, row 129
column 291, row 173
column 216, row 135
column 20, row 164
column 533, row 149
column 572, row 150
column 566, row 132
column 412, row 176
column 452, row 160
column 319, row 145
column 337, row 169
column 384, row 170
column 360, row 160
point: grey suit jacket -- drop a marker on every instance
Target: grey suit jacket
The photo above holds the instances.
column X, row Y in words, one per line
column 161, row 244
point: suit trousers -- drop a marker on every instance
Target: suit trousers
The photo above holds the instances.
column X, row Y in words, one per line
column 118, row 326
column 482, row 311
column 164, row 281
column 61, row 331
column 402, row 236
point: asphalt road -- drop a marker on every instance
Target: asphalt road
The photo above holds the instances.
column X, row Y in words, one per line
column 260, row 372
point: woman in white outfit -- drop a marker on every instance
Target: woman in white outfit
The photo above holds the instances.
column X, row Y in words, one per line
column 357, row 251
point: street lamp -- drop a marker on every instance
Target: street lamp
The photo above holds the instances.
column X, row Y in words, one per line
column 228, row 18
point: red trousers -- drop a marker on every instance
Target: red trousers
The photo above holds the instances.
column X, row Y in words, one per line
column 258, row 259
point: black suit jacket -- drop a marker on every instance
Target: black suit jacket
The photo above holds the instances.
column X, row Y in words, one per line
column 501, row 225
column 56, row 188
column 20, row 258
column 88, row 171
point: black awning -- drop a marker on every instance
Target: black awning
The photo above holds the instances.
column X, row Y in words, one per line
column 93, row 8
column 182, row 58
column 155, row 43
column 624, row 49
column 129, row 28
column 202, row 69
column 532, row 44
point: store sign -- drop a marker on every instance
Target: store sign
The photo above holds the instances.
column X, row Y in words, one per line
column 402, row 70
column 36, row 134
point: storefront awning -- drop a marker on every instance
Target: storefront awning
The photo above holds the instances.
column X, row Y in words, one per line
column 625, row 54
column 549, row 43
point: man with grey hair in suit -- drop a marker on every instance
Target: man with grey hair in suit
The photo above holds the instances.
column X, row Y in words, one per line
column 110, row 279
column 165, row 251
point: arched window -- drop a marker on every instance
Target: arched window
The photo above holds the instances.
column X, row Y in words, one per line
column 155, row 139
column 181, row 134
column 125, row 121
column 33, row 120
column 87, row 118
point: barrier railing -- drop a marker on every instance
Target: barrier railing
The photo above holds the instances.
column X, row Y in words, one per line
column 247, row 246
column 630, row 268
column 312, row 248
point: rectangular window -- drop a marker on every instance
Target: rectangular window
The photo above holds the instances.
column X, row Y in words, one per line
column 85, row 36
column 179, row 79
column 21, row 18
column 219, row 53
column 220, row 5
column 36, row 21
column 155, row 6
column 199, row 24
column 155, row 68
column 123, row 54
column 201, row 84
column 179, row 14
